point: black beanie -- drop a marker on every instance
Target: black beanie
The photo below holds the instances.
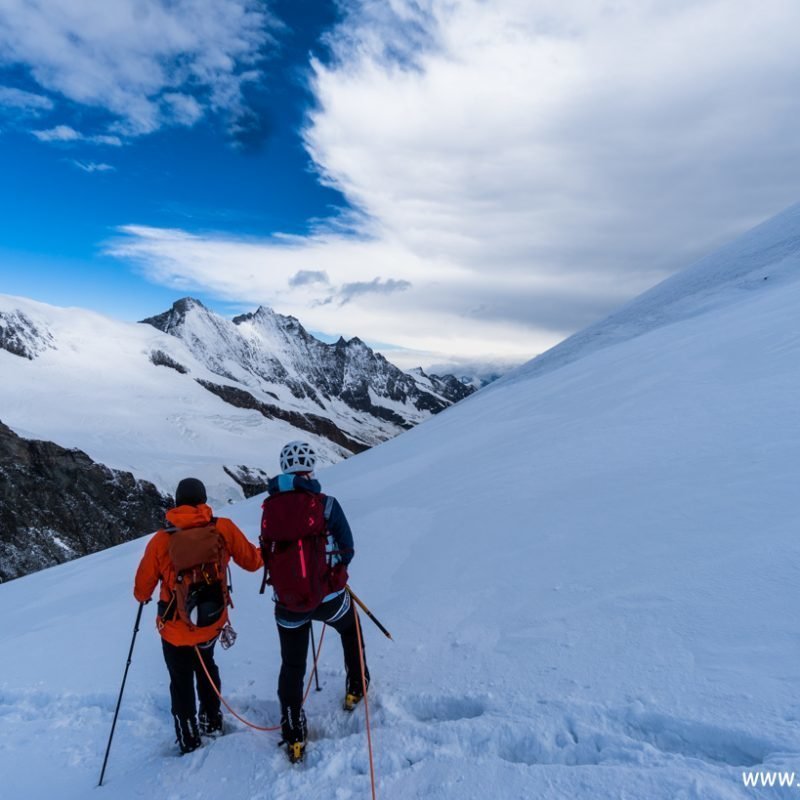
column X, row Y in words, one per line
column 190, row 492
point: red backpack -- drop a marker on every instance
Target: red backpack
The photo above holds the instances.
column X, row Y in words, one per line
column 294, row 538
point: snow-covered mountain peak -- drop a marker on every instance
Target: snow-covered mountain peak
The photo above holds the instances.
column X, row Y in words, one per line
column 275, row 330
column 264, row 314
column 357, row 345
column 176, row 316
column 270, row 353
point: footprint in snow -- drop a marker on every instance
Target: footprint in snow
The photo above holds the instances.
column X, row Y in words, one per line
column 431, row 708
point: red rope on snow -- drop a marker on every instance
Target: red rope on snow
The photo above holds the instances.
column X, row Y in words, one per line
column 242, row 719
column 366, row 702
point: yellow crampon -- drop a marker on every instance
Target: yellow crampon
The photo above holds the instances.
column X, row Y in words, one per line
column 296, row 751
column 351, row 701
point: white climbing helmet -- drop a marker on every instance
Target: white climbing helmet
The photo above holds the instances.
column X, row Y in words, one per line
column 298, row 457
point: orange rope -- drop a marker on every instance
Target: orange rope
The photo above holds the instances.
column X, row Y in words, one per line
column 242, row 719
column 366, row 701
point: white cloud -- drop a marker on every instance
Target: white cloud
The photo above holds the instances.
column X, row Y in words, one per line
column 350, row 291
column 61, row 133
column 183, row 108
column 92, row 166
column 64, row 133
column 25, row 102
column 524, row 165
column 307, row 276
column 432, row 310
column 138, row 59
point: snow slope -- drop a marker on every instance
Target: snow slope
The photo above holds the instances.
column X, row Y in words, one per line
column 590, row 572
column 769, row 252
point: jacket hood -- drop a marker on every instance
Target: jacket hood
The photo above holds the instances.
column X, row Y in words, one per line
column 289, row 482
column 190, row 516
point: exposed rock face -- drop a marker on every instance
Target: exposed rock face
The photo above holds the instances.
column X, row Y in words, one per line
column 307, row 422
column 362, row 394
column 161, row 359
column 20, row 336
column 57, row 504
column 253, row 480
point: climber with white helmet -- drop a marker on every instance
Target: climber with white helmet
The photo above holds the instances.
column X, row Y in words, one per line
column 306, row 543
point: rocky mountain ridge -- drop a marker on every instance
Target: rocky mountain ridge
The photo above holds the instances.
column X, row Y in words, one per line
column 267, row 351
column 57, row 504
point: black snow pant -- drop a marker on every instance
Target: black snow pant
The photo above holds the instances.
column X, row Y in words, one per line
column 294, row 650
column 184, row 670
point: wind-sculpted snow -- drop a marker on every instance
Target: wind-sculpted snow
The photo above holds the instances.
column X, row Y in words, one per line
column 590, row 575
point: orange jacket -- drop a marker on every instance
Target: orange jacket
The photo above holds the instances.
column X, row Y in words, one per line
column 156, row 566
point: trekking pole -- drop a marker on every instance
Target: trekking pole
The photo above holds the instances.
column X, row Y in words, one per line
column 369, row 613
column 121, row 690
column 314, row 651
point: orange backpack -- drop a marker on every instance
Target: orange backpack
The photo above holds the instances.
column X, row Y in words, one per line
column 201, row 590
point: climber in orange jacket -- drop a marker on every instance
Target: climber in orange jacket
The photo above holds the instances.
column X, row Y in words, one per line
column 193, row 610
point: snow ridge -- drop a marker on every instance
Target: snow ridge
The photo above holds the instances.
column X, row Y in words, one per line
column 756, row 261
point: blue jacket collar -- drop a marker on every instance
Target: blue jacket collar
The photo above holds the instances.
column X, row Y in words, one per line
column 289, row 482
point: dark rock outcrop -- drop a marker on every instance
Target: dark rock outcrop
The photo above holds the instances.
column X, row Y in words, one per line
column 20, row 336
column 306, row 422
column 161, row 359
column 57, row 504
column 252, row 480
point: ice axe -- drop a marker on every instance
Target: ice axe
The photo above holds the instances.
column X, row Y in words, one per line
column 368, row 613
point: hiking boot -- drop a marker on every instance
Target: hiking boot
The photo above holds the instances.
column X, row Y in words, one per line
column 210, row 724
column 354, row 694
column 186, row 735
column 294, row 731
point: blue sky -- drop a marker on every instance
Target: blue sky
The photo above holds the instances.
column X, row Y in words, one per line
column 57, row 208
column 462, row 181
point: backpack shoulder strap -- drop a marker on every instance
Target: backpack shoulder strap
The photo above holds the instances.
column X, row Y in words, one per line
column 328, row 507
column 170, row 529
